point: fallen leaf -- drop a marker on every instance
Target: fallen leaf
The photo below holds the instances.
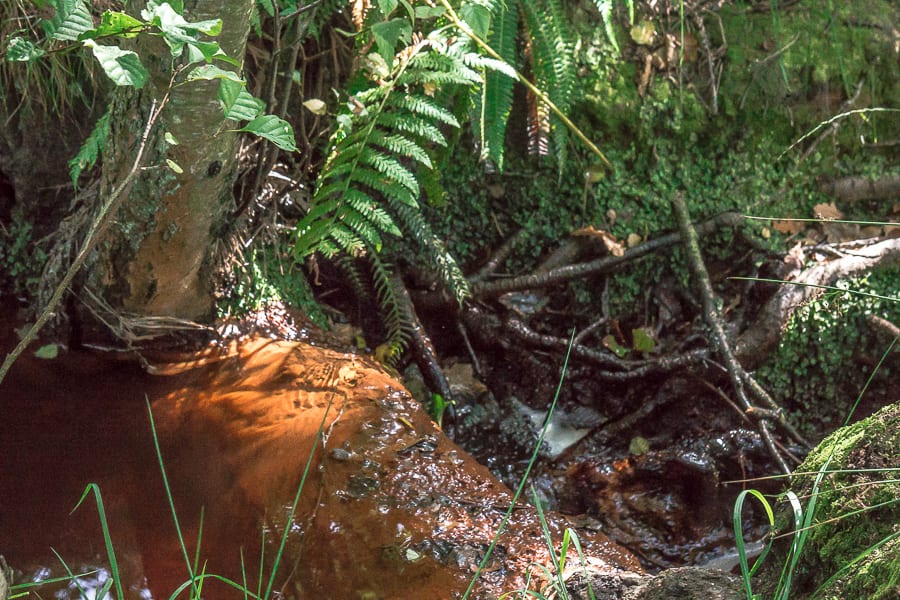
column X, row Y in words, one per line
column 48, row 352
column 827, row 211
column 788, row 227
column 642, row 340
column 633, row 240
column 614, row 246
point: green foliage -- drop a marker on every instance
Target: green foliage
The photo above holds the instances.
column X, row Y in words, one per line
column 90, row 150
column 21, row 260
column 826, row 336
column 190, row 52
column 267, row 278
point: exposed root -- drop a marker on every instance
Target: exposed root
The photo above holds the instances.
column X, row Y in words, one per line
column 740, row 379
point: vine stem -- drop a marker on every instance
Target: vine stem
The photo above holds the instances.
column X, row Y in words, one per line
column 98, row 225
column 462, row 26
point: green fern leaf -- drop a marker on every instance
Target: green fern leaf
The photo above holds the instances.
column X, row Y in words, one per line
column 422, row 106
column 390, row 167
column 495, row 100
column 404, row 146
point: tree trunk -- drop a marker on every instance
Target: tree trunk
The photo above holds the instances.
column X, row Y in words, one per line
column 156, row 259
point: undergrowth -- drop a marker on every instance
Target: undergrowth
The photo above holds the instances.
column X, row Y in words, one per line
column 839, row 524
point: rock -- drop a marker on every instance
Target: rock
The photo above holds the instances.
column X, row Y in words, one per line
column 853, row 548
column 683, row 583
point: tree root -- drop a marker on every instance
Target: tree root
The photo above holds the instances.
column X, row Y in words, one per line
column 763, row 335
column 484, row 290
column 741, row 380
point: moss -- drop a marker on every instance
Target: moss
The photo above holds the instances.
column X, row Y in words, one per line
column 827, row 351
column 858, row 507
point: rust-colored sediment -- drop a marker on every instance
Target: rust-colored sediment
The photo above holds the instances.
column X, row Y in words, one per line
column 391, row 508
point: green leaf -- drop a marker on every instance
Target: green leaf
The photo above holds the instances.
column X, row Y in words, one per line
column 387, row 6
column 642, row 340
column 90, row 150
column 177, row 31
column 170, row 139
column 174, row 166
column 21, row 50
column 48, row 352
column 210, row 72
column 477, row 17
column 72, row 18
column 612, row 344
column 237, row 103
column 269, row 127
column 388, row 33
column 123, row 67
column 114, row 24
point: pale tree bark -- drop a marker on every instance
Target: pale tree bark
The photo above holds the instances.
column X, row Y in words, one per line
column 156, row 258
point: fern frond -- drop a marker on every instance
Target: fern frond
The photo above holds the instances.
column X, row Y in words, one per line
column 425, row 107
column 553, row 65
column 391, row 312
column 417, row 127
column 390, row 167
column 404, row 146
column 495, row 100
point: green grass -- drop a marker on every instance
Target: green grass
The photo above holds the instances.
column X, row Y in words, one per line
column 805, row 519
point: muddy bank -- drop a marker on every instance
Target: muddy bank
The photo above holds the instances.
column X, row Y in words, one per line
column 390, row 507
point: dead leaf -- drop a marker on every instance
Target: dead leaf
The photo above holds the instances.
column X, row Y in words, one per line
column 788, row 227
column 633, row 240
column 316, row 106
column 828, row 211
column 614, row 246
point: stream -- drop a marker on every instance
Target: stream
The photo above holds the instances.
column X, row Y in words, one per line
column 390, row 507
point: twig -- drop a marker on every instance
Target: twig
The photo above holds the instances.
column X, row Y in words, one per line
column 714, row 322
column 594, row 267
column 98, row 226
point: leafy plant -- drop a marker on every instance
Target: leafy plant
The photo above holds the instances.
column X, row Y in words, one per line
column 190, row 51
column 806, row 520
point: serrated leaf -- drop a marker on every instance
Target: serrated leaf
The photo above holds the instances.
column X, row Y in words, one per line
column 237, row 103
column 477, row 17
column 123, row 67
column 174, row 166
column 269, row 127
column 22, row 50
column 72, row 18
column 177, row 31
column 387, row 6
column 48, row 352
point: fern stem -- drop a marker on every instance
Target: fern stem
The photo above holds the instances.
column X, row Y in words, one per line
column 461, row 25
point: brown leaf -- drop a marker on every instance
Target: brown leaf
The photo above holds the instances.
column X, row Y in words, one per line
column 788, row 227
column 614, row 246
column 827, row 211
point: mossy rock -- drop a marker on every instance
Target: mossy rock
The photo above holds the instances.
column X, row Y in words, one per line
column 858, row 508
